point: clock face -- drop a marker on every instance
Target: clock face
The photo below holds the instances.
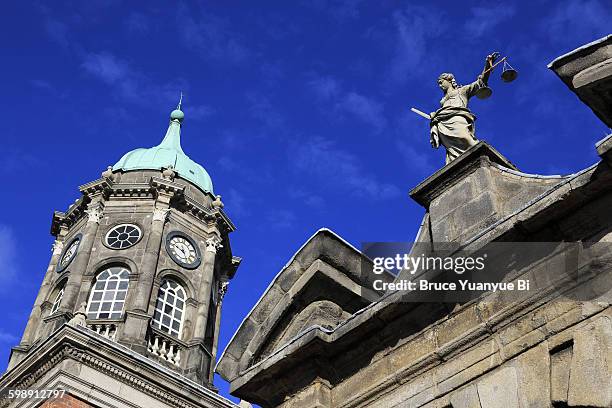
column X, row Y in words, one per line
column 68, row 254
column 183, row 250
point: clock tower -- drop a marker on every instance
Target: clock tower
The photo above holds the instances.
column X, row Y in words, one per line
column 140, row 264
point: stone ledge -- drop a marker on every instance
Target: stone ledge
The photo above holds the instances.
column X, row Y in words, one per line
column 604, row 148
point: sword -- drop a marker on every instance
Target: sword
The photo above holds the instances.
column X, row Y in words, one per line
column 420, row 113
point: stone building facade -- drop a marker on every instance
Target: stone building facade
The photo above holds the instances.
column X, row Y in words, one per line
column 317, row 339
column 128, row 311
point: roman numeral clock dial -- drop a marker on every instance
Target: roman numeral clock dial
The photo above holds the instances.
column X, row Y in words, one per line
column 183, row 250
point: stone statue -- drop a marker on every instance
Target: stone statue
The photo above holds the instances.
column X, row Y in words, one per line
column 452, row 125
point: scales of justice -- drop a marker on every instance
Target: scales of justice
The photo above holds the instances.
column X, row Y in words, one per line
column 452, row 126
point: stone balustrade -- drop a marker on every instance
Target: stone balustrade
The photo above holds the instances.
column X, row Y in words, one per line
column 105, row 329
column 164, row 347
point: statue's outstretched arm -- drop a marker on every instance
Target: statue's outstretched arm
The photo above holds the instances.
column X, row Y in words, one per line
column 486, row 71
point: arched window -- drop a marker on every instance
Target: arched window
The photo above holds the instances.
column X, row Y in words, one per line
column 108, row 294
column 58, row 299
column 169, row 308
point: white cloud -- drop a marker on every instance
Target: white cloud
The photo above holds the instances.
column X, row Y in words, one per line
column 281, row 219
column 211, row 36
column 415, row 27
column 236, row 203
column 484, row 19
column 583, row 20
column 363, row 108
column 132, row 86
column 338, row 169
column 8, row 257
column 324, row 87
column 360, row 107
column 107, row 67
column 8, row 338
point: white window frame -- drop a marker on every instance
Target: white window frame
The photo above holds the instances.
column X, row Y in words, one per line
column 170, row 308
column 58, row 300
column 108, row 294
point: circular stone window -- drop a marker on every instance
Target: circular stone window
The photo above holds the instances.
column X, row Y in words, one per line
column 122, row 236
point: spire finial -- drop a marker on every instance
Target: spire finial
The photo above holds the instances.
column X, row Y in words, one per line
column 178, row 114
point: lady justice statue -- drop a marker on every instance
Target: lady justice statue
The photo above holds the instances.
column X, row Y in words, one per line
column 452, row 125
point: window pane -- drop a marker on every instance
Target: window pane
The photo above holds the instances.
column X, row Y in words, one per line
column 111, row 284
column 166, row 321
column 121, row 295
column 96, row 296
column 123, row 284
column 106, row 306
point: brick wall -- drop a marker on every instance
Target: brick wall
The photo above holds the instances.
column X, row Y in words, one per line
column 67, row 401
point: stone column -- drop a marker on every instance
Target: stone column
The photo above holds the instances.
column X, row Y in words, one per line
column 134, row 331
column 78, row 268
column 204, row 294
column 29, row 334
column 222, row 290
column 151, row 256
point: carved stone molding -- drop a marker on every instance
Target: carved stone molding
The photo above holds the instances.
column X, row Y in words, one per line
column 169, row 173
column 80, row 350
column 94, row 214
column 213, row 244
column 57, row 247
column 222, row 290
column 160, row 214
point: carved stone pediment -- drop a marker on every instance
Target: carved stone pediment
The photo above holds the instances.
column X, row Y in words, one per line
column 320, row 287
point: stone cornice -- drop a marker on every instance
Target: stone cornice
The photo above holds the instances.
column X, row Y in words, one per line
column 217, row 216
column 86, row 347
column 132, row 190
column 100, row 186
column 75, row 212
column 166, row 186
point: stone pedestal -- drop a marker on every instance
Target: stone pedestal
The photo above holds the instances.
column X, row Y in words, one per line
column 462, row 197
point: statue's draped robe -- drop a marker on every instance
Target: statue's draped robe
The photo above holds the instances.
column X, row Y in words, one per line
column 453, row 124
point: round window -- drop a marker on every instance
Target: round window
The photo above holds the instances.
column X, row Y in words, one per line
column 123, row 236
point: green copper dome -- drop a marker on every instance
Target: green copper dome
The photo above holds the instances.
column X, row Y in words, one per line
column 168, row 153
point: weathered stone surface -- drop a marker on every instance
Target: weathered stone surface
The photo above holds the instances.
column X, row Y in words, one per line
column 590, row 380
column 560, row 361
column 499, row 389
column 466, row 397
column 317, row 395
column 533, row 374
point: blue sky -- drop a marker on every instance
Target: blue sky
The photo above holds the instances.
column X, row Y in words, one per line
column 299, row 111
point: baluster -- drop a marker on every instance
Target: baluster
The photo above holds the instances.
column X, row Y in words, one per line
column 156, row 346
column 163, row 348
column 177, row 359
column 170, row 356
